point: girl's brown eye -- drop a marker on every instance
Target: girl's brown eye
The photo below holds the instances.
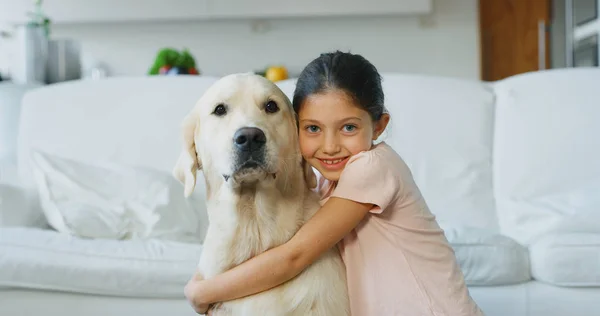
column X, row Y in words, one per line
column 271, row 107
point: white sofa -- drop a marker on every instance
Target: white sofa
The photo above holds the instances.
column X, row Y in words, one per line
column 511, row 169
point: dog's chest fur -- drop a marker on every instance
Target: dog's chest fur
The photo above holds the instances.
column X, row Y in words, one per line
column 245, row 223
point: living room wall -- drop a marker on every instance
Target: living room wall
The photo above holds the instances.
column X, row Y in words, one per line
column 444, row 43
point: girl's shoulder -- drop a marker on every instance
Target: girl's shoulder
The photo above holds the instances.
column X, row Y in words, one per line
column 381, row 158
column 378, row 176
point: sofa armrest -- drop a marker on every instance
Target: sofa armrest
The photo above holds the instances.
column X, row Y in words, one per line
column 18, row 206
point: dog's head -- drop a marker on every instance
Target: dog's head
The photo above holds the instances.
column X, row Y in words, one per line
column 242, row 130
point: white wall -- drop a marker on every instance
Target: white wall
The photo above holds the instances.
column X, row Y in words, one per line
column 446, row 43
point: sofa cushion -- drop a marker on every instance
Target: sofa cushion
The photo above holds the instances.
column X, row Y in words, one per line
column 487, row 258
column 48, row 260
column 546, row 153
column 567, row 259
column 129, row 120
column 116, row 201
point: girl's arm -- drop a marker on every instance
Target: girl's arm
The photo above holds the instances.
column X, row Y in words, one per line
column 328, row 226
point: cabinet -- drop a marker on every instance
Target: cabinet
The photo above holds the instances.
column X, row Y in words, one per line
column 513, row 37
column 106, row 11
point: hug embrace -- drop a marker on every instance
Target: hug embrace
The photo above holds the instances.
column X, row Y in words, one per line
column 309, row 215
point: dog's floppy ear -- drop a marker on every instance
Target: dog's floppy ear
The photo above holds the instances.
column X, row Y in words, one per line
column 188, row 163
column 309, row 175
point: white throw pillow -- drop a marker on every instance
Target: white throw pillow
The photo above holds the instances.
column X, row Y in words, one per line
column 115, row 201
column 487, row 258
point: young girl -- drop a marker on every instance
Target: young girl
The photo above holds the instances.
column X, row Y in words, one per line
column 398, row 261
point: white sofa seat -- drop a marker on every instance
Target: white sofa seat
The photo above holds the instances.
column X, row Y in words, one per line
column 567, row 259
column 48, row 260
column 44, row 259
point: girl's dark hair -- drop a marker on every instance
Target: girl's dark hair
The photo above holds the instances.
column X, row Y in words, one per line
column 351, row 73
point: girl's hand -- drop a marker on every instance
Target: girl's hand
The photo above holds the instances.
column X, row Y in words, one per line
column 192, row 294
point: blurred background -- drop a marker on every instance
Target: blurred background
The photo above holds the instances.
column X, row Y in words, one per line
column 494, row 106
column 487, row 39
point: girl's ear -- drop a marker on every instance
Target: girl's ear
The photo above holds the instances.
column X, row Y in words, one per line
column 380, row 125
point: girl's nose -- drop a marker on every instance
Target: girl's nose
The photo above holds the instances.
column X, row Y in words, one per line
column 331, row 146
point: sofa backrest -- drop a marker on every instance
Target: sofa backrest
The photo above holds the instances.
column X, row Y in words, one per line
column 125, row 120
column 443, row 128
column 520, row 155
column 547, row 153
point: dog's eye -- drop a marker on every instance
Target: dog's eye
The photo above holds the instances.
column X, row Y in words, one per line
column 220, row 110
column 271, row 107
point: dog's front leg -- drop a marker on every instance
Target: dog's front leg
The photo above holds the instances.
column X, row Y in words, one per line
column 214, row 253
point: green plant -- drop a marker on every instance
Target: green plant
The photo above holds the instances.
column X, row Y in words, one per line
column 170, row 58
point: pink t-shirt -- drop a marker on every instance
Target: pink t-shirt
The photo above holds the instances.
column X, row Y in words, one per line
column 398, row 261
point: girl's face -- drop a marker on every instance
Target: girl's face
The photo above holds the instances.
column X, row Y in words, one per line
column 332, row 129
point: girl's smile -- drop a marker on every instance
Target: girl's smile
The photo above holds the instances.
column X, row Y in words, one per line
column 334, row 164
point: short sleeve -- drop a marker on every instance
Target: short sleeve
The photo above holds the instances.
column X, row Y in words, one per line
column 368, row 178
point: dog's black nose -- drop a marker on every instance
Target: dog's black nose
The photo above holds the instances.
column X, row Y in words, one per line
column 249, row 138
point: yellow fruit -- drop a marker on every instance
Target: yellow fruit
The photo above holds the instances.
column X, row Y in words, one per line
column 276, row 73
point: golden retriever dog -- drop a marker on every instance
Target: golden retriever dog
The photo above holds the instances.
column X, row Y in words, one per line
column 243, row 135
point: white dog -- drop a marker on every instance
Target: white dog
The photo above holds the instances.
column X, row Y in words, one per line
column 243, row 135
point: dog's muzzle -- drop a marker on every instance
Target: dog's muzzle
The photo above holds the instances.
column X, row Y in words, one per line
column 250, row 146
